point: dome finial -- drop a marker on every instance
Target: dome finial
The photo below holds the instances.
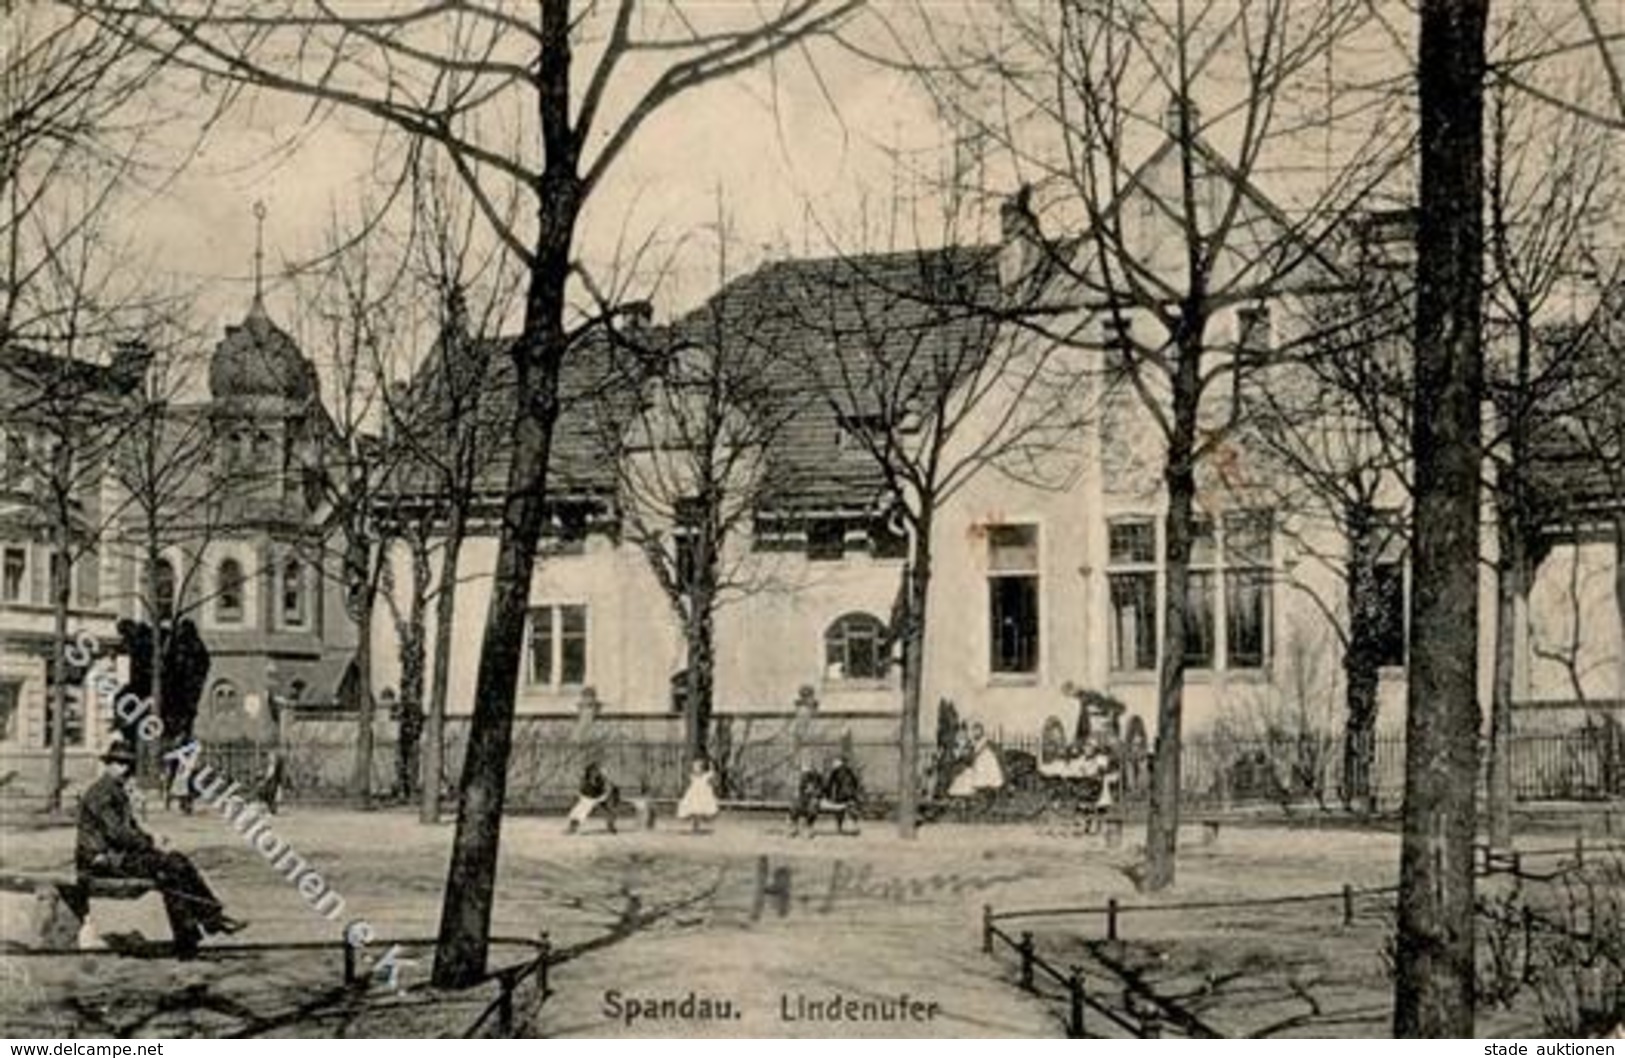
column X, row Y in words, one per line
column 259, row 257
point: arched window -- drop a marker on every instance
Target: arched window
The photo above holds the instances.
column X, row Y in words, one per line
column 856, row 648
column 163, row 589
column 293, row 593
column 224, row 700
column 228, row 602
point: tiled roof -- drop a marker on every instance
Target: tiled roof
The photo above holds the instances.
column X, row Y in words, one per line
column 797, row 324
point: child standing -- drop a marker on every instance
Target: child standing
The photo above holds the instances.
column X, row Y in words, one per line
column 699, row 802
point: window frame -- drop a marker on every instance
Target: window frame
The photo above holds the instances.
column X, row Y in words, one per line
column 11, row 711
column 1393, row 629
column 1139, row 570
column 1201, row 575
column 838, row 636
column 21, row 594
column 76, row 726
column 1031, row 575
column 1256, row 571
column 232, row 615
column 300, row 618
column 555, row 638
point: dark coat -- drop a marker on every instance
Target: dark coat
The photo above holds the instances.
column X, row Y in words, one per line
column 108, row 832
column 186, row 671
column 842, row 787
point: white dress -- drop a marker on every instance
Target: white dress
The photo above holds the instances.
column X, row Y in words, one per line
column 982, row 773
column 700, row 799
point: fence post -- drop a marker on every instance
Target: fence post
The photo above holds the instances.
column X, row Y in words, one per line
column 987, row 929
column 1150, row 1026
column 544, row 956
column 1528, row 944
column 1348, row 904
column 1580, row 850
column 1111, row 918
column 349, row 959
column 1026, row 949
column 505, row 1005
column 1517, row 864
column 1074, row 988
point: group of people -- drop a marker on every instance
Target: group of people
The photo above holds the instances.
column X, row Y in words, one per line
column 698, row 806
column 837, row 791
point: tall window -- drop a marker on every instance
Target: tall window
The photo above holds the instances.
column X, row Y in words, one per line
column 56, row 579
column 1249, row 558
column 558, row 646
column 826, row 540
column 1199, row 602
column 293, row 594
column 1132, row 549
column 13, row 573
column 1012, row 553
column 1390, row 589
column 163, row 580
column 225, row 699
column 16, row 461
column 11, row 696
column 228, row 600
column 73, row 724
column 855, row 648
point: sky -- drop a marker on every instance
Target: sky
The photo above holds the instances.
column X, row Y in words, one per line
column 794, row 160
column 790, row 157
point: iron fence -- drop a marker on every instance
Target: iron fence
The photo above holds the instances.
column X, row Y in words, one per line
column 760, row 758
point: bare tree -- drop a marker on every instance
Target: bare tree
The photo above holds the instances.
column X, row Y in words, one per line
column 65, row 416
column 458, row 77
column 358, row 305
column 66, row 139
column 1102, row 100
column 1547, row 191
column 1434, row 978
column 688, row 416
column 913, row 356
column 1333, row 431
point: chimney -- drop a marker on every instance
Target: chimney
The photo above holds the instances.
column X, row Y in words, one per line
column 631, row 322
column 638, row 316
column 1023, row 242
column 1170, row 117
column 129, row 364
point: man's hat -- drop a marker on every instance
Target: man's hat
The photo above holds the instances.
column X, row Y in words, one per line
column 119, row 753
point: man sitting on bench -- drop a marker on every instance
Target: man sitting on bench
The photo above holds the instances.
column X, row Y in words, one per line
column 842, row 792
column 111, row 844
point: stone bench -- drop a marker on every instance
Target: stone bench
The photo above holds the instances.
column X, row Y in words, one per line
column 59, row 914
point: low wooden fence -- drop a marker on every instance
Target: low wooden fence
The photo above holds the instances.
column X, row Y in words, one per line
column 1147, row 1022
column 499, row 1017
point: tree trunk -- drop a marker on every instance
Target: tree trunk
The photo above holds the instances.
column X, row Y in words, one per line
column 56, row 773
column 917, row 592
column 1434, row 972
column 1361, row 662
column 1162, row 822
column 361, row 780
column 699, row 686
column 465, row 917
column 1509, row 590
column 159, row 616
column 434, row 724
column 412, row 678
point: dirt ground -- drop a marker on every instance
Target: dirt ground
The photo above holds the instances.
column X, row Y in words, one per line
column 675, row 933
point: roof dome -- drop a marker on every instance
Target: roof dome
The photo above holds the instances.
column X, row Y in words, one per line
column 258, row 359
